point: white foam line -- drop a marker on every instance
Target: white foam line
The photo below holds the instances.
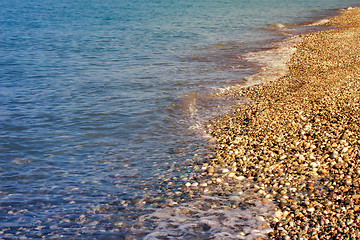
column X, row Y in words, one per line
column 320, row 22
column 212, row 216
column 272, row 62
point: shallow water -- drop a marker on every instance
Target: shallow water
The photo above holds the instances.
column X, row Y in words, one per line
column 102, row 106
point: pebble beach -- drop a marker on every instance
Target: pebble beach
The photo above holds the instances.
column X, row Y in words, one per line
column 160, row 119
column 298, row 137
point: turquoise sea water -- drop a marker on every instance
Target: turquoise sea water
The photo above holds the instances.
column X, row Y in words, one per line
column 102, row 102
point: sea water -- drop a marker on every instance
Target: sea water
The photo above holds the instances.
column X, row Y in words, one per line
column 102, row 107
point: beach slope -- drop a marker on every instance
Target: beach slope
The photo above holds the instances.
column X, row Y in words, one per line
column 299, row 136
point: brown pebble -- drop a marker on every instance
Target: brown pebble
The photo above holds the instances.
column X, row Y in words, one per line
column 210, row 170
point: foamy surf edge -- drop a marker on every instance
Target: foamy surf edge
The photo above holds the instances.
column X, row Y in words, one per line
column 319, row 23
column 272, row 62
column 237, row 210
column 230, row 208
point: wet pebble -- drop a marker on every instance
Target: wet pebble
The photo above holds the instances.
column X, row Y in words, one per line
column 299, row 138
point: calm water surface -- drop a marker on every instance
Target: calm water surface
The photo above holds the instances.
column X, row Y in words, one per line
column 102, row 102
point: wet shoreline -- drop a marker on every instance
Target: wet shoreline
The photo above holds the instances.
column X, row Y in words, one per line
column 298, row 136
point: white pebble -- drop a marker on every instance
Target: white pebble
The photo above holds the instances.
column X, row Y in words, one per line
column 311, row 209
column 278, row 214
column 345, row 149
column 219, row 180
column 313, row 164
column 232, row 175
column 240, row 178
column 195, row 184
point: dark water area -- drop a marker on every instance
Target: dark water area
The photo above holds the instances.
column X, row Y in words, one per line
column 103, row 105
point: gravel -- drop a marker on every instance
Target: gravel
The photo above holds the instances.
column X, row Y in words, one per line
column 299, row 136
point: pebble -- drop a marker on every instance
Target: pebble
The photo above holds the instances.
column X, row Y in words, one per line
column 356, row 196
column 210, row 170
column 311, row 209
column 225, row 170
column 231, row 175
column 219, row 180
column 345, row 149
column 240, row 178
column 335, row 154
column 278, row 214
column 299, row 137
column 195, row 184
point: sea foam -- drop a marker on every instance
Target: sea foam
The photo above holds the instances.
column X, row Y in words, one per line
column 230, row 210
column 272, row 62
